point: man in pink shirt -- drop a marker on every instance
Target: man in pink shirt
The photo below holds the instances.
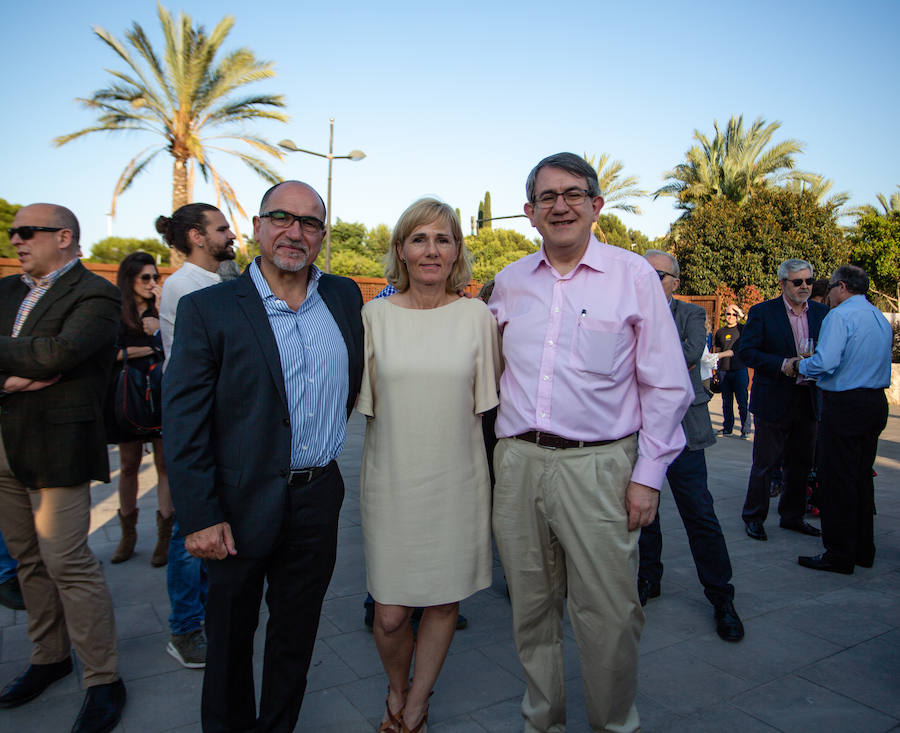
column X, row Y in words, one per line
column 591, row 401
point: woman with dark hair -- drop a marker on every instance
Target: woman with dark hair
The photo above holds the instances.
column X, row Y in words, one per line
column 138, row 279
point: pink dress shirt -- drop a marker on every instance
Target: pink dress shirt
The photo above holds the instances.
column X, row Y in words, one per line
column 592, row 355
column 800, row 329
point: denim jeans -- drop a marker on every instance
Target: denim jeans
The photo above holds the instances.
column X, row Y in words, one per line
column 186, row 583
column 734, row 388
column 7, row 564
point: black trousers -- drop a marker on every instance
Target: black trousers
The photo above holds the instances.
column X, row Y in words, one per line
column 791, row 442
column 851, row 424
column 298, row 571
column 687, row 480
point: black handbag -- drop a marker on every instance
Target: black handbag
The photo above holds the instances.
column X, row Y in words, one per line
column 137, row 397
column 715, row 383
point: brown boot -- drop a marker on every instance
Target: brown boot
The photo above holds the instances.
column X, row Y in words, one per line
column 129, row 537
column 163, row 534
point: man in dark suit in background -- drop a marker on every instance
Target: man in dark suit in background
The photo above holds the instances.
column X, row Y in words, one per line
column 687, row 474
column 784, row 407
column 58, row 326
column 263, row 374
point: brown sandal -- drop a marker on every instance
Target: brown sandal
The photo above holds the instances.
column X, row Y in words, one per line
column 394, row 723
column 404, row 728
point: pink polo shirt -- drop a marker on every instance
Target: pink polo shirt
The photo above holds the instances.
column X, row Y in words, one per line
column 592, row 355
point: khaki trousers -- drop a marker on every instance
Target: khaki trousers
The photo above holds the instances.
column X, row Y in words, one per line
column 562, row 531
column 65, row 592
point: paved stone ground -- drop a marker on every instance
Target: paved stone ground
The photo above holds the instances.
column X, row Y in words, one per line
column 822, row 651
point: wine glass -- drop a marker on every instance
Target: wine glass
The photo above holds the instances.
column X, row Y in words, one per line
column 807, row 347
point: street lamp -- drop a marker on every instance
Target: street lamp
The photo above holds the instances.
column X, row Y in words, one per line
column 352, row 155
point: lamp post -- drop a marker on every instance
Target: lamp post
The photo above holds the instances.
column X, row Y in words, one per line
column 352, row 155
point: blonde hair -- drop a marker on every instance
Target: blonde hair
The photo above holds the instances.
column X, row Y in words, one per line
column 425, row 211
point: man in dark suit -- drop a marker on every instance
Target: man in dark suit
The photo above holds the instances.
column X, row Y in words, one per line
column 687, row 475
column 58, row 325
column 784, row 407
column 263, row 374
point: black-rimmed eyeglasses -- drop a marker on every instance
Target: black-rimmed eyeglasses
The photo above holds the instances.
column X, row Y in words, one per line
column 572, row 196
column 662, row 274
column 27, row 232
column 285, row 219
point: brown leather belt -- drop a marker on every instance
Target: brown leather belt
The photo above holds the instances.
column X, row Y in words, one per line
column 549, row 440
column 304, row 476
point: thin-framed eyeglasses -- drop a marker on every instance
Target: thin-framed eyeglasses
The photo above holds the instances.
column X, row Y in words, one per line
column 572, row 196
column 285, row 219
column 146, row 277
column 798, row 281
column 662, row 275
column 27, row 232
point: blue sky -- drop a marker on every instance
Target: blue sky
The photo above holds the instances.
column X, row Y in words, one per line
column 455, row 99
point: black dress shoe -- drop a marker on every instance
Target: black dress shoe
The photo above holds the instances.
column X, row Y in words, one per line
column 11, row 594
column 756, row 530
column 728, row 623
column 865, row 562
column 647, row 589
column 802, row 527
column 33, row 681
column 101, row 709
column 823, row 562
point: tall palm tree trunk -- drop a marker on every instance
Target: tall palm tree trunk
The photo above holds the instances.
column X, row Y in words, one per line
column 180, row 197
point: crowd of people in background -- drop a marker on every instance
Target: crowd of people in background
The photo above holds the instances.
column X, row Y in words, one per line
column 589, row 370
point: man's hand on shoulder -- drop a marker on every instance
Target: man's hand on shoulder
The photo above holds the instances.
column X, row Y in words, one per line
column 212, row 543
column 641, row 503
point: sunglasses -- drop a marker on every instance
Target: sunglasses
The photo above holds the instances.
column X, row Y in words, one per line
column 27, row 232
column 147, row 277
column 798, row 281
column 731, row 313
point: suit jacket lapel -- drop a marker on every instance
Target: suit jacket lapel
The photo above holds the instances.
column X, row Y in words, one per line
column 59, row 289
column 784, row 325
column 340, row 317
column 252, row 306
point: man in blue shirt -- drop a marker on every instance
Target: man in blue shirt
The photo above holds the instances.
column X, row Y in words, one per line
column 852, row 365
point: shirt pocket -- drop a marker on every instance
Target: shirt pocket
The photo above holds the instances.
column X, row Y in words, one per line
column 595, row 345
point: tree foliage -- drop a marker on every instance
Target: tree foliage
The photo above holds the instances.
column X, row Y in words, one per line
column 484, row 212
column 494, row 249
column 112, row 250
column 735, row 164
column 742, row 245
column 7, row 214
column 617, row 192
column 614, row 232
column 358, row 251
column 189, row 99
column 875, row 246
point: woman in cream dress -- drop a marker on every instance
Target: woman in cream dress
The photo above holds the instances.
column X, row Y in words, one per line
column 432, row 364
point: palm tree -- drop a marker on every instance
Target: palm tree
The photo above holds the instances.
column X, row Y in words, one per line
column 733, row 164
column 819, row 186
column 616, row 192
column 888, row 205
column 182, row 99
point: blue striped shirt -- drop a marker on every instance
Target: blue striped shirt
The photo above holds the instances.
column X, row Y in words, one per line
column 314, row 362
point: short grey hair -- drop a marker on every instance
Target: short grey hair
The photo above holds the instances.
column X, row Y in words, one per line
column 570, row 163
column 789, row 266
column 673, row 263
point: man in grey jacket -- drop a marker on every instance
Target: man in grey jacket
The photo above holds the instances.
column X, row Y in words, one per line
column 687, row 475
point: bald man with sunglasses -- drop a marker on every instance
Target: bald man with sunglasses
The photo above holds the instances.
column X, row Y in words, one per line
column 58, row 325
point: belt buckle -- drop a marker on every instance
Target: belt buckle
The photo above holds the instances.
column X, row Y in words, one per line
column 542, row 445
column 300, row 474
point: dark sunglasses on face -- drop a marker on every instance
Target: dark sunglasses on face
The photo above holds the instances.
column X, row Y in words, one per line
column 146, row 277
column 27, row 232
column 798, row 281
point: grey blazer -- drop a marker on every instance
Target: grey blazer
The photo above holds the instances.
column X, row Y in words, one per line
column 690, row 321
